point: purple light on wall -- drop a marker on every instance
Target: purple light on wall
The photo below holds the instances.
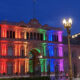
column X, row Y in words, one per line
column 60, row 49
column 61, row 65
column 60, row 36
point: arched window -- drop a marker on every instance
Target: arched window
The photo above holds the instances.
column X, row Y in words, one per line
column 10, row 51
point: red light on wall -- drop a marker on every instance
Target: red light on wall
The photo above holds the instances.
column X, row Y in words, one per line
column 3, row 66
column 4, row 31
column 3, row 49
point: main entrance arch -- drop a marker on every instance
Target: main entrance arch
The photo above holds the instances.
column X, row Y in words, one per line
column 34, row 62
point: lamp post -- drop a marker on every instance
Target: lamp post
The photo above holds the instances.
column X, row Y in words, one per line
column 67, row 24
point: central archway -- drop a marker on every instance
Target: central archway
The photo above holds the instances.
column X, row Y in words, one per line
column 34, row 62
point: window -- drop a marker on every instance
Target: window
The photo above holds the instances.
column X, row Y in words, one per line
column 37, row 36
column 11, row 34
column 22, row 53
column 41, row 36
column 34, row 36
column 66, row 54
column 31, row 36
column 10, row 51
column 22, row 35
column 55, row 37
column 56, row 52
column 47, row 52
column 27, row 35
column 9, row 68
column 73, row 54
column 52, row 37
column 7, row 34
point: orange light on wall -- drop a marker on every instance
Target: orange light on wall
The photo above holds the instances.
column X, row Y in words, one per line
column 15, row 67
column 27, row 65
column 19, row 46
column 24, row 35
column 19, row 67
column 25, row 49
column 17, row 49
column 16, row 34
column 19, row 36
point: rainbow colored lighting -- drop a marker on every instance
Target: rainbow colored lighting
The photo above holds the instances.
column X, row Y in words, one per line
column 27, row 62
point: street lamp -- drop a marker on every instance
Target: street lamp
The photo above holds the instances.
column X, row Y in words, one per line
column 79, row 57
column 67, row 24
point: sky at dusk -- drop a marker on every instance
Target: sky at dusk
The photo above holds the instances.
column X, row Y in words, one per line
column 49, row 12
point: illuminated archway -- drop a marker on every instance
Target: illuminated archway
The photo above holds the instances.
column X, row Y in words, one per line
column 34, row 61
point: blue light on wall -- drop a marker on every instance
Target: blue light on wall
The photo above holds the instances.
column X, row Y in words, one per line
column 50, row 35
column 51, row 54
column 51, row 50
column 51, row 65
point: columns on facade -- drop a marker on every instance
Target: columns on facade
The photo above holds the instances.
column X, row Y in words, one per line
column 26, row 65
column 17, row 49
column 51, row 54
column 59, row 36
column 3, row 31
column 3, row 66
column 60, row 50
column 3, row 49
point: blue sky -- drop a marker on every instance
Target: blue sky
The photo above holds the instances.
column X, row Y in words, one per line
column 49, row 12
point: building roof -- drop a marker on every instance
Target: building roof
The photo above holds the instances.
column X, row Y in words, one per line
column 33, row 23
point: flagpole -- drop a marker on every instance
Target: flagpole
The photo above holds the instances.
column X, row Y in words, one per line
column 34, row 9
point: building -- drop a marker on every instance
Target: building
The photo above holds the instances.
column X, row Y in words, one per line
column 75, row 51
column 30, row 48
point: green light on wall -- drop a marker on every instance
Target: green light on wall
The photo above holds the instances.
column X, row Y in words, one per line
column 44, row 36
column 45, row 65
column 44, row 48
column 43, row 32
column 31, row 66
column 42, row 65
column 37, row 50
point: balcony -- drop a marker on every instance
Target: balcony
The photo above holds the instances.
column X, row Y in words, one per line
column 32, row 41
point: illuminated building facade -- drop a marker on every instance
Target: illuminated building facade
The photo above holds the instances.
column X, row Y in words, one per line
column 30, row 48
